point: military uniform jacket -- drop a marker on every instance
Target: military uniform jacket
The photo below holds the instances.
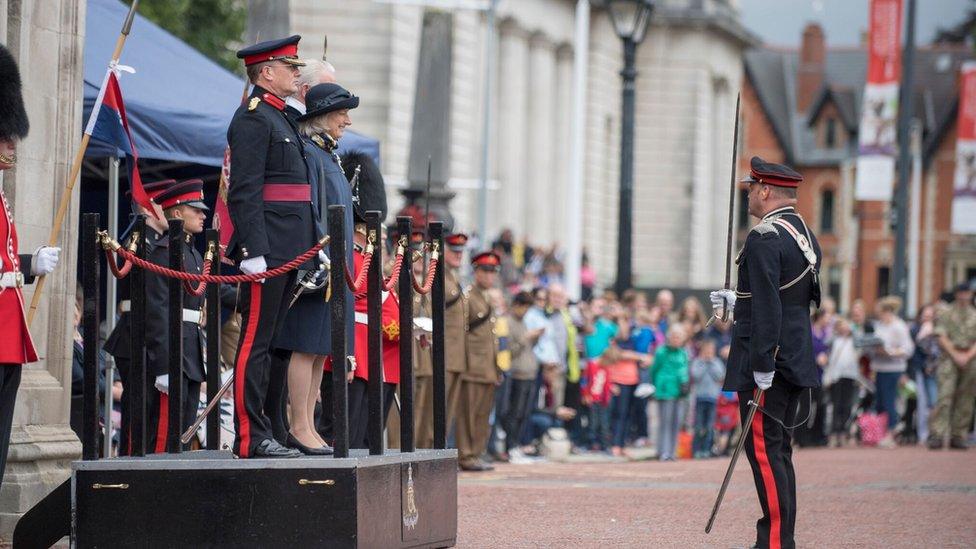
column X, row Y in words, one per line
column 455, row 324
column 16, row 345
column 482, row 345
column 266, row 149
column 118, row 342
column 423, row 360
column 157, row 315
column 958, row 324
column 776, row 284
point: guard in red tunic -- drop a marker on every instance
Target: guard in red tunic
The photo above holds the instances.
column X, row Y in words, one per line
column 16, row 346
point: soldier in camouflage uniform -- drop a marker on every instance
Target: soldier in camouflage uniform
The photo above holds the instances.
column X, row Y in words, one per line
column 956, row 374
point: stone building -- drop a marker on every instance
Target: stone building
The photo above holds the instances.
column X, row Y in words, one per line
column 802, row 107
column 689, row 69
column 46, row 37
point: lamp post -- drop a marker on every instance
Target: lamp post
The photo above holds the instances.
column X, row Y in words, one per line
column 629, row 18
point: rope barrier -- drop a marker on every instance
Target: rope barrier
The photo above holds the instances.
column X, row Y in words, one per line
column 111, row 245
column 389, row 283
column 431, row 269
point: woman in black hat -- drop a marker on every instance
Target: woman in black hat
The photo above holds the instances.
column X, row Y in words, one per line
column 307, row 328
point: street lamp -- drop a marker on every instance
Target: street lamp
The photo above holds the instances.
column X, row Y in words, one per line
column 629, row 18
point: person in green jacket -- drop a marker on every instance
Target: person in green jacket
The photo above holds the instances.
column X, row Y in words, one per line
column 669, row 374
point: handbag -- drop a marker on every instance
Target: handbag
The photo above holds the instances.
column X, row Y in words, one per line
column 873, row 427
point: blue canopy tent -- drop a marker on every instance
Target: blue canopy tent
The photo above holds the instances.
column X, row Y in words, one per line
column 179, row 102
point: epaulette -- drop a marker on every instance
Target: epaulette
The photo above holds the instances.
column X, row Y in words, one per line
column 253, row 104
column 764, row 228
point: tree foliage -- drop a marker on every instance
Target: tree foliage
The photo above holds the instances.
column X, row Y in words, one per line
column 214, row 27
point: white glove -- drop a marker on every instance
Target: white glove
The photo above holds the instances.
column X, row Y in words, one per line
column 254, row 265
column 324, row 262
column 763, row 379
column 162, row 383
column 719, row 299
column 423, row 325
column 45, row 260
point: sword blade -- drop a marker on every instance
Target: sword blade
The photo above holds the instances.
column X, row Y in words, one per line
column 188, row 434
column 753, row 406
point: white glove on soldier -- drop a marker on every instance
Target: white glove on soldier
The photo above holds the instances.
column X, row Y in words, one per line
column 45, row 260
column 162, row 383
column 719, row 299
column 763, row 379
column 254, row 265
column 324, row 261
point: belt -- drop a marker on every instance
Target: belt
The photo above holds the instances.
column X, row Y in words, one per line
column 12, row 279
column 189, row 315
column 287, row 192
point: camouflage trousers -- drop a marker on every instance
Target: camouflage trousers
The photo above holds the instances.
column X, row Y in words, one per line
column 953, row 410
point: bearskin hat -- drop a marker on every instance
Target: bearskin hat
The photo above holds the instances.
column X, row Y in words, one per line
column 13, row 117
column 369, row 193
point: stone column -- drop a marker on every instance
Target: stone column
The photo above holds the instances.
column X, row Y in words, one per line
column 541, row 185
column 563, row 128
column 512, row 92
column 47, row 38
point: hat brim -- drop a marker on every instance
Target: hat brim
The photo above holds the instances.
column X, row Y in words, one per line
column 458, row 249
column 748, row 179
column 197, row 204
column 492, row 268
column 292, row 61
column 348, row 103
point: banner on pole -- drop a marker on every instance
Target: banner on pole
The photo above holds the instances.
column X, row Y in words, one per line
column 964, row 188
column 878, row 134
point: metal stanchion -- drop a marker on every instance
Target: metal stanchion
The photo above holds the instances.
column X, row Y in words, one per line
column 137, row 342
column 374, row 312
column 175, row 324
column 340, row 390
column 213, row 343
column 89, row 266
column 437, row 357
column 404, row 228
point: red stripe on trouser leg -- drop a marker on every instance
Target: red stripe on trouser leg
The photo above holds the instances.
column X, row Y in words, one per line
column 244, row 424
column 162, row 426
column 769, row 482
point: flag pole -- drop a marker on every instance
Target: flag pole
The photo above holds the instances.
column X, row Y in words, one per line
column 76, row 170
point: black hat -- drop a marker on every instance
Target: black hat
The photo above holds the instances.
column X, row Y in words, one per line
column 325, row 98
column 189, row 192
column 283, row 49
column 965, row 286
column 369, row 192
column 769, row 173
column 13, row 117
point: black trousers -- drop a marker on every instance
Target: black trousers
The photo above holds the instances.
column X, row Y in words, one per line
column 519, row 406
column 263, row 308
column 842, row 394
column 770, row 453
column 157, row 414
column 276, row 405
column 9, row 383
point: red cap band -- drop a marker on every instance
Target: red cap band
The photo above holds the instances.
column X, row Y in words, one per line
column 290, row 50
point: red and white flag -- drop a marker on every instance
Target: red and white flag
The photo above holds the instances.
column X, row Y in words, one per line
column 964, row 189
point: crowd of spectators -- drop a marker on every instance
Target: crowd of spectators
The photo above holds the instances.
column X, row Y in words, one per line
column 614, row 373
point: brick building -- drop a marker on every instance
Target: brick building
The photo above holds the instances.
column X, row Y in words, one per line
column 802, row 107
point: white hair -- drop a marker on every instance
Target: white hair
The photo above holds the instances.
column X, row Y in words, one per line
column 315, row 72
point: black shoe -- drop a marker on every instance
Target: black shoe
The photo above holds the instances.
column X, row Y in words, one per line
column 958, row 444
column 271, row 449
column 476, row 465
column 934, row 443
column 321, row 451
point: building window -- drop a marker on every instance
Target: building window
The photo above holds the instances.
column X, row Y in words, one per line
column 834, row 277
column 884, row 281
column 827, row 211
column 830, row 133
column 743, row 209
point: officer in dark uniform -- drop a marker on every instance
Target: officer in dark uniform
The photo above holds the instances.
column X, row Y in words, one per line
column 183, row 201
column 118, row 343
column 772, row 344
column 269, row 200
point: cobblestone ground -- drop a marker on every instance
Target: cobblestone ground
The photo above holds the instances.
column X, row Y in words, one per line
column 908, row 497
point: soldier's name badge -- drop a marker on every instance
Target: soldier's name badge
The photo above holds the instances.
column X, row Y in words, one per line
column 254, row 103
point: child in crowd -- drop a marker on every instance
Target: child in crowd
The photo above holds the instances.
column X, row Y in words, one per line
column 726, row 420
column 669, row 374
column 840, row 379
column 596, row 395
column 707, row 373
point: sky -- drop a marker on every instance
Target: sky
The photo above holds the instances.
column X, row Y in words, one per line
column 781, row 22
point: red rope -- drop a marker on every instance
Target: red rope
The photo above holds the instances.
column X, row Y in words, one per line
column 117, row 272
column 198, row 291
column 359, row 284
column 429, row 281
column 219, row 279
column 389, row 283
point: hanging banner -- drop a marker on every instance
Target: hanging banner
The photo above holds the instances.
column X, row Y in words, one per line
column 964, row 194
column 878, row 134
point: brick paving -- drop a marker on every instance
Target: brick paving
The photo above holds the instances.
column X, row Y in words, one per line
column 908, row 497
